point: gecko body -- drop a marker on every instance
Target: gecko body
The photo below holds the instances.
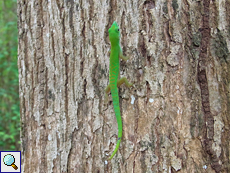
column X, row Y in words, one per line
column 114, row 82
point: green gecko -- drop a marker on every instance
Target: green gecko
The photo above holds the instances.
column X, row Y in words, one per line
column 114, row 73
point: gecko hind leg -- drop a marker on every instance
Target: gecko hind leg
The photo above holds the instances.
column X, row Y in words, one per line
column 107, row 90
column 119, row 83
column 125, row 81
column 125, row 58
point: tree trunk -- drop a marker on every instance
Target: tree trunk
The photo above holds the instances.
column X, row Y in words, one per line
column 175, row 117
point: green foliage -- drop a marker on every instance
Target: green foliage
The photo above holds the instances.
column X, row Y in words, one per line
column 9, row 102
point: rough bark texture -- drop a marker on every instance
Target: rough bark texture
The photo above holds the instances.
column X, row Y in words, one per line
column 175, row 118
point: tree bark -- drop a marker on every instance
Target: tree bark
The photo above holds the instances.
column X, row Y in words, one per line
column 175, row 117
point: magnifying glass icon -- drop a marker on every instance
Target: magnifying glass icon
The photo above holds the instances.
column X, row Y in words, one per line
column 9, row 160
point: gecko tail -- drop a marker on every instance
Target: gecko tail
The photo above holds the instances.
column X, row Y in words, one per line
column 116, row 148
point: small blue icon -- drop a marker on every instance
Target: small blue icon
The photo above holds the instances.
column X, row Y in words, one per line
column 9, row 160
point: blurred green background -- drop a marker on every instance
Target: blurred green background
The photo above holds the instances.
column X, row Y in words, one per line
column 9, row 97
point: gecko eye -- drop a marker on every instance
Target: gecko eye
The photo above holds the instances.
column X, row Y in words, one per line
column 118, row 30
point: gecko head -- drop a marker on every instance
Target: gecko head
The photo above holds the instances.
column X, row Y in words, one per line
column 114, row 33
